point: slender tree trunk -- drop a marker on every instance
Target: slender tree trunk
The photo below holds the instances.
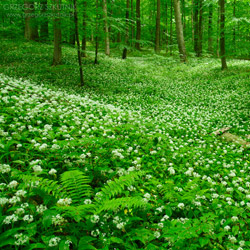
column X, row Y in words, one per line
column 124, row 54
column 218, row 33
column 200, row 30
column 72, row 30
column 234, row 28
column 78, row 43
column 166, row 26
column 184, row 16
column 96, row 33
column 57, row 57
column 158, row 27
column 84, row 27
column 106, row 28
column 132, row 23
column 196, row 26
column 210, row 29
column 138, row 24
column 44, row 30
column 31, row 28
column 192, row 20
column 179, row 31
column 222, row 35
column 171, row 28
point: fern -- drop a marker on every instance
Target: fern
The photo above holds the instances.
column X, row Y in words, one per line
column 116, row 186
column 75, row 183
column 121, row 203
column 49, row 186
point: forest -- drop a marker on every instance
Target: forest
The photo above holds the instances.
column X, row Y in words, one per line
column 125, row 124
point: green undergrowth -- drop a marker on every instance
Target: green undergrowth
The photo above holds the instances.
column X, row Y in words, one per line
column 126, row 162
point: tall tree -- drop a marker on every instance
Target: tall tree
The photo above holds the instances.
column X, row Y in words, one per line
column 138, row 24
column 166, row 26
column 132, row 22
column 106, row 28
column 96, row 32
column 200, row 29
column 57, row 56
column 84, row 29
column 210, row 29
column 78, row 43
column 171, row 27
column 158, row 23
column 234, row 28
column 31, row 28
column 124, row 54
column 179, row 31
column 196, row 25
column 72, row 33
column 222, row 35
column 44, row 29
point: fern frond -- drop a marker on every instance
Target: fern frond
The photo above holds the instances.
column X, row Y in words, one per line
column 116, row 186
column 76, row 212
column 121, row 203
column 75, row 183
column 49, row 186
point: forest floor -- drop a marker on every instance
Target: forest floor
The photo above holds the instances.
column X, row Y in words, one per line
column 147, row 119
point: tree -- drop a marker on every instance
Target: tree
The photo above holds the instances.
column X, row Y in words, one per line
column 44, row 30
column 84, row 29
column 57, row 56
column 106, row 28
column 78, row 43
column 138, row 24
column 158, row 22
column 31, row 28
column 96, row 31
column 210, row 29
column 179, row 31
column 222, row 35
column 124, row 54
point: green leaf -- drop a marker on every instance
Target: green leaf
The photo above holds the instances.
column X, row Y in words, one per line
column 235, row 230
column 203, row 241
column 63, row 246
column 116, row 240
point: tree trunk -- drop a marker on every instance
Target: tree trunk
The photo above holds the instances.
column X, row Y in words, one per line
column 196, row 26
column 158, row 27
column 84, row 27
column 218, row 33
column 31, row 28
column 171, row 28
column 200, row 30
column 234, row 28
column 44, row 30
column 192, row 20
column 132, row 23
column 96, row 33
column 78, row 43
column 124, row 54
column 57, row 57
column 166, row 26
column 179, row 31
column 183, row 16
column 138, row 24
column 72, row 31
column 106, row 28
column 222, row 35
column 210, row 29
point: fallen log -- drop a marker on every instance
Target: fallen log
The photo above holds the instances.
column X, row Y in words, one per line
column 231, row 138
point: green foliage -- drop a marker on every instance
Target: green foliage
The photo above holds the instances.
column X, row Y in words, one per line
column 75, row 184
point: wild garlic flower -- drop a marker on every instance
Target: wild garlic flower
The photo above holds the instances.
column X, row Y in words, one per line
column 21, row 239
column 4, row 168
column 54, row 241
